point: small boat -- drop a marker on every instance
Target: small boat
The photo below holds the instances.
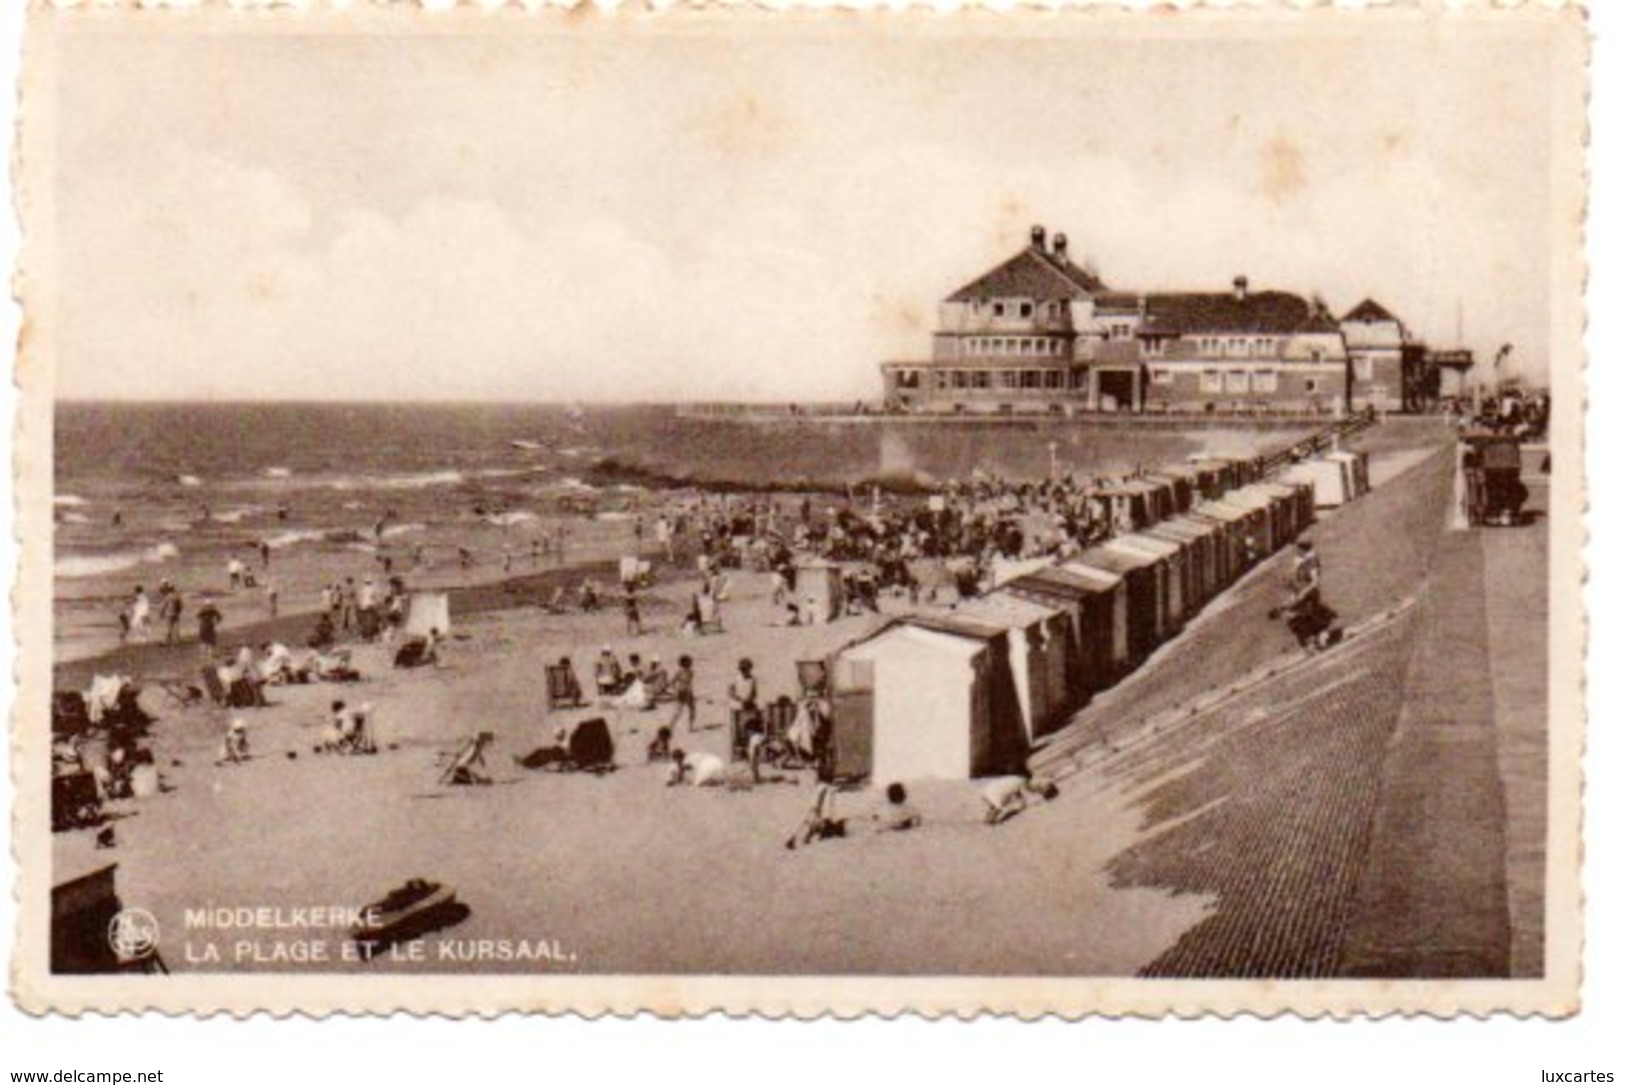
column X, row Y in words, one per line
column 404, row 913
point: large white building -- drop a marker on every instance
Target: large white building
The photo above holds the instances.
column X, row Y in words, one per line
column 1041, row 333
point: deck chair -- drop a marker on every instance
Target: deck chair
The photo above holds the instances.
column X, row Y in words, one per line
column 563, row 688
column 469, row 758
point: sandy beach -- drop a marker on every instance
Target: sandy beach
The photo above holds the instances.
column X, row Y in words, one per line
column 621, row 873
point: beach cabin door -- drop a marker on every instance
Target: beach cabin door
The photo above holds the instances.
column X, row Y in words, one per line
column 852, row 701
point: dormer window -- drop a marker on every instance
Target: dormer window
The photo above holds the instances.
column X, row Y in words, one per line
column 998, row 308
column 1026, row 310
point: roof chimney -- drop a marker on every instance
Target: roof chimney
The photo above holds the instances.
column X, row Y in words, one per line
column 1038, row 238
column 1240, row 283
column 1060, row 247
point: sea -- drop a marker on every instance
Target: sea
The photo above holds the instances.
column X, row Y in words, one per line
column 153, row 491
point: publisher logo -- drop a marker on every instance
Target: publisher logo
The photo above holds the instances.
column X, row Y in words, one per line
column 133, row 934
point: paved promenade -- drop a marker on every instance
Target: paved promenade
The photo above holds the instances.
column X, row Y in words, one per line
column 1377, row 811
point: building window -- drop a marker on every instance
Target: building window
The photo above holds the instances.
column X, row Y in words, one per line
column 1155, row 346
column 1317, row 354
column 1026, row 309
column 1238, row 347
column 940, row 379
column 908, row 378
column 998, row 309
column 1055, row 379
column 1212, row 381
column 1311, row 385
column 1235, row 382
column 1008, row 378
column 1161, row 374
column 1120, row 331
column 1265, row 380
column 1080, row 378
column 979, row 379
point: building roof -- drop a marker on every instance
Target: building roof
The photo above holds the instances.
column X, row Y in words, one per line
column 1263, row 312
column 1032, row 273
column 1368, row 312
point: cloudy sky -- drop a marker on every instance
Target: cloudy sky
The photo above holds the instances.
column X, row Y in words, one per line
column 678, row 208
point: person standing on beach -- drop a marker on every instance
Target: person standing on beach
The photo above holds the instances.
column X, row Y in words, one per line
column 265, row 554
column 347, row 604
column 682, row 686
column 140, row 614
column 234, row 574
column 629, row 606
column 270, row 596
column 742, row 696
column 169, row 610
column 208, row 627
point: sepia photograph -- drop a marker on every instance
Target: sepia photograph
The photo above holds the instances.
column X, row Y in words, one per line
column 1042, row 513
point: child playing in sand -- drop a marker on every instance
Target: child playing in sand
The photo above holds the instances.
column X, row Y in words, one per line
column 897, row 815
column 1007, row 796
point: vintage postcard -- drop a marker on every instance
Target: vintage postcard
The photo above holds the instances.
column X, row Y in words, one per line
column 1051, row 512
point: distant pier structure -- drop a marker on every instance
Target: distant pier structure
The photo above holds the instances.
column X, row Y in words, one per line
column 1043, row 334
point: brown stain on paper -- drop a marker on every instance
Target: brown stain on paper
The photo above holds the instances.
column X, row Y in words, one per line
column 1285, row 173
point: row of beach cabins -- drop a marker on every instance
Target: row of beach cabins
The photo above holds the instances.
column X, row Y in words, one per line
column 970, row 693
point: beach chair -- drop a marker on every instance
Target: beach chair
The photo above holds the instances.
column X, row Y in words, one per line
column 777, row 720
column 467, row 760
column 563, row 689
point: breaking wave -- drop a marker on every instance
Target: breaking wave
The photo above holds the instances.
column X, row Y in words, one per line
column 76, row 566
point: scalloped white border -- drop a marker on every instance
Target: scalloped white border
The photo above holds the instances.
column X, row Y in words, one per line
column 38, row 992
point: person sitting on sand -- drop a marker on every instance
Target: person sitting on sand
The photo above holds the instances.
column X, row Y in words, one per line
column 898, row 815
column 635, row 696
column 241, row 679
column 1007, row 796
column 334, row 666
column 349, row 729
column 606, row 673
column 549, row 758
column 659, row 748
column 820, row 822
column 700, row 770
column 276, row 664
column 234, row 747
column 656, row 679
column 589, row 597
